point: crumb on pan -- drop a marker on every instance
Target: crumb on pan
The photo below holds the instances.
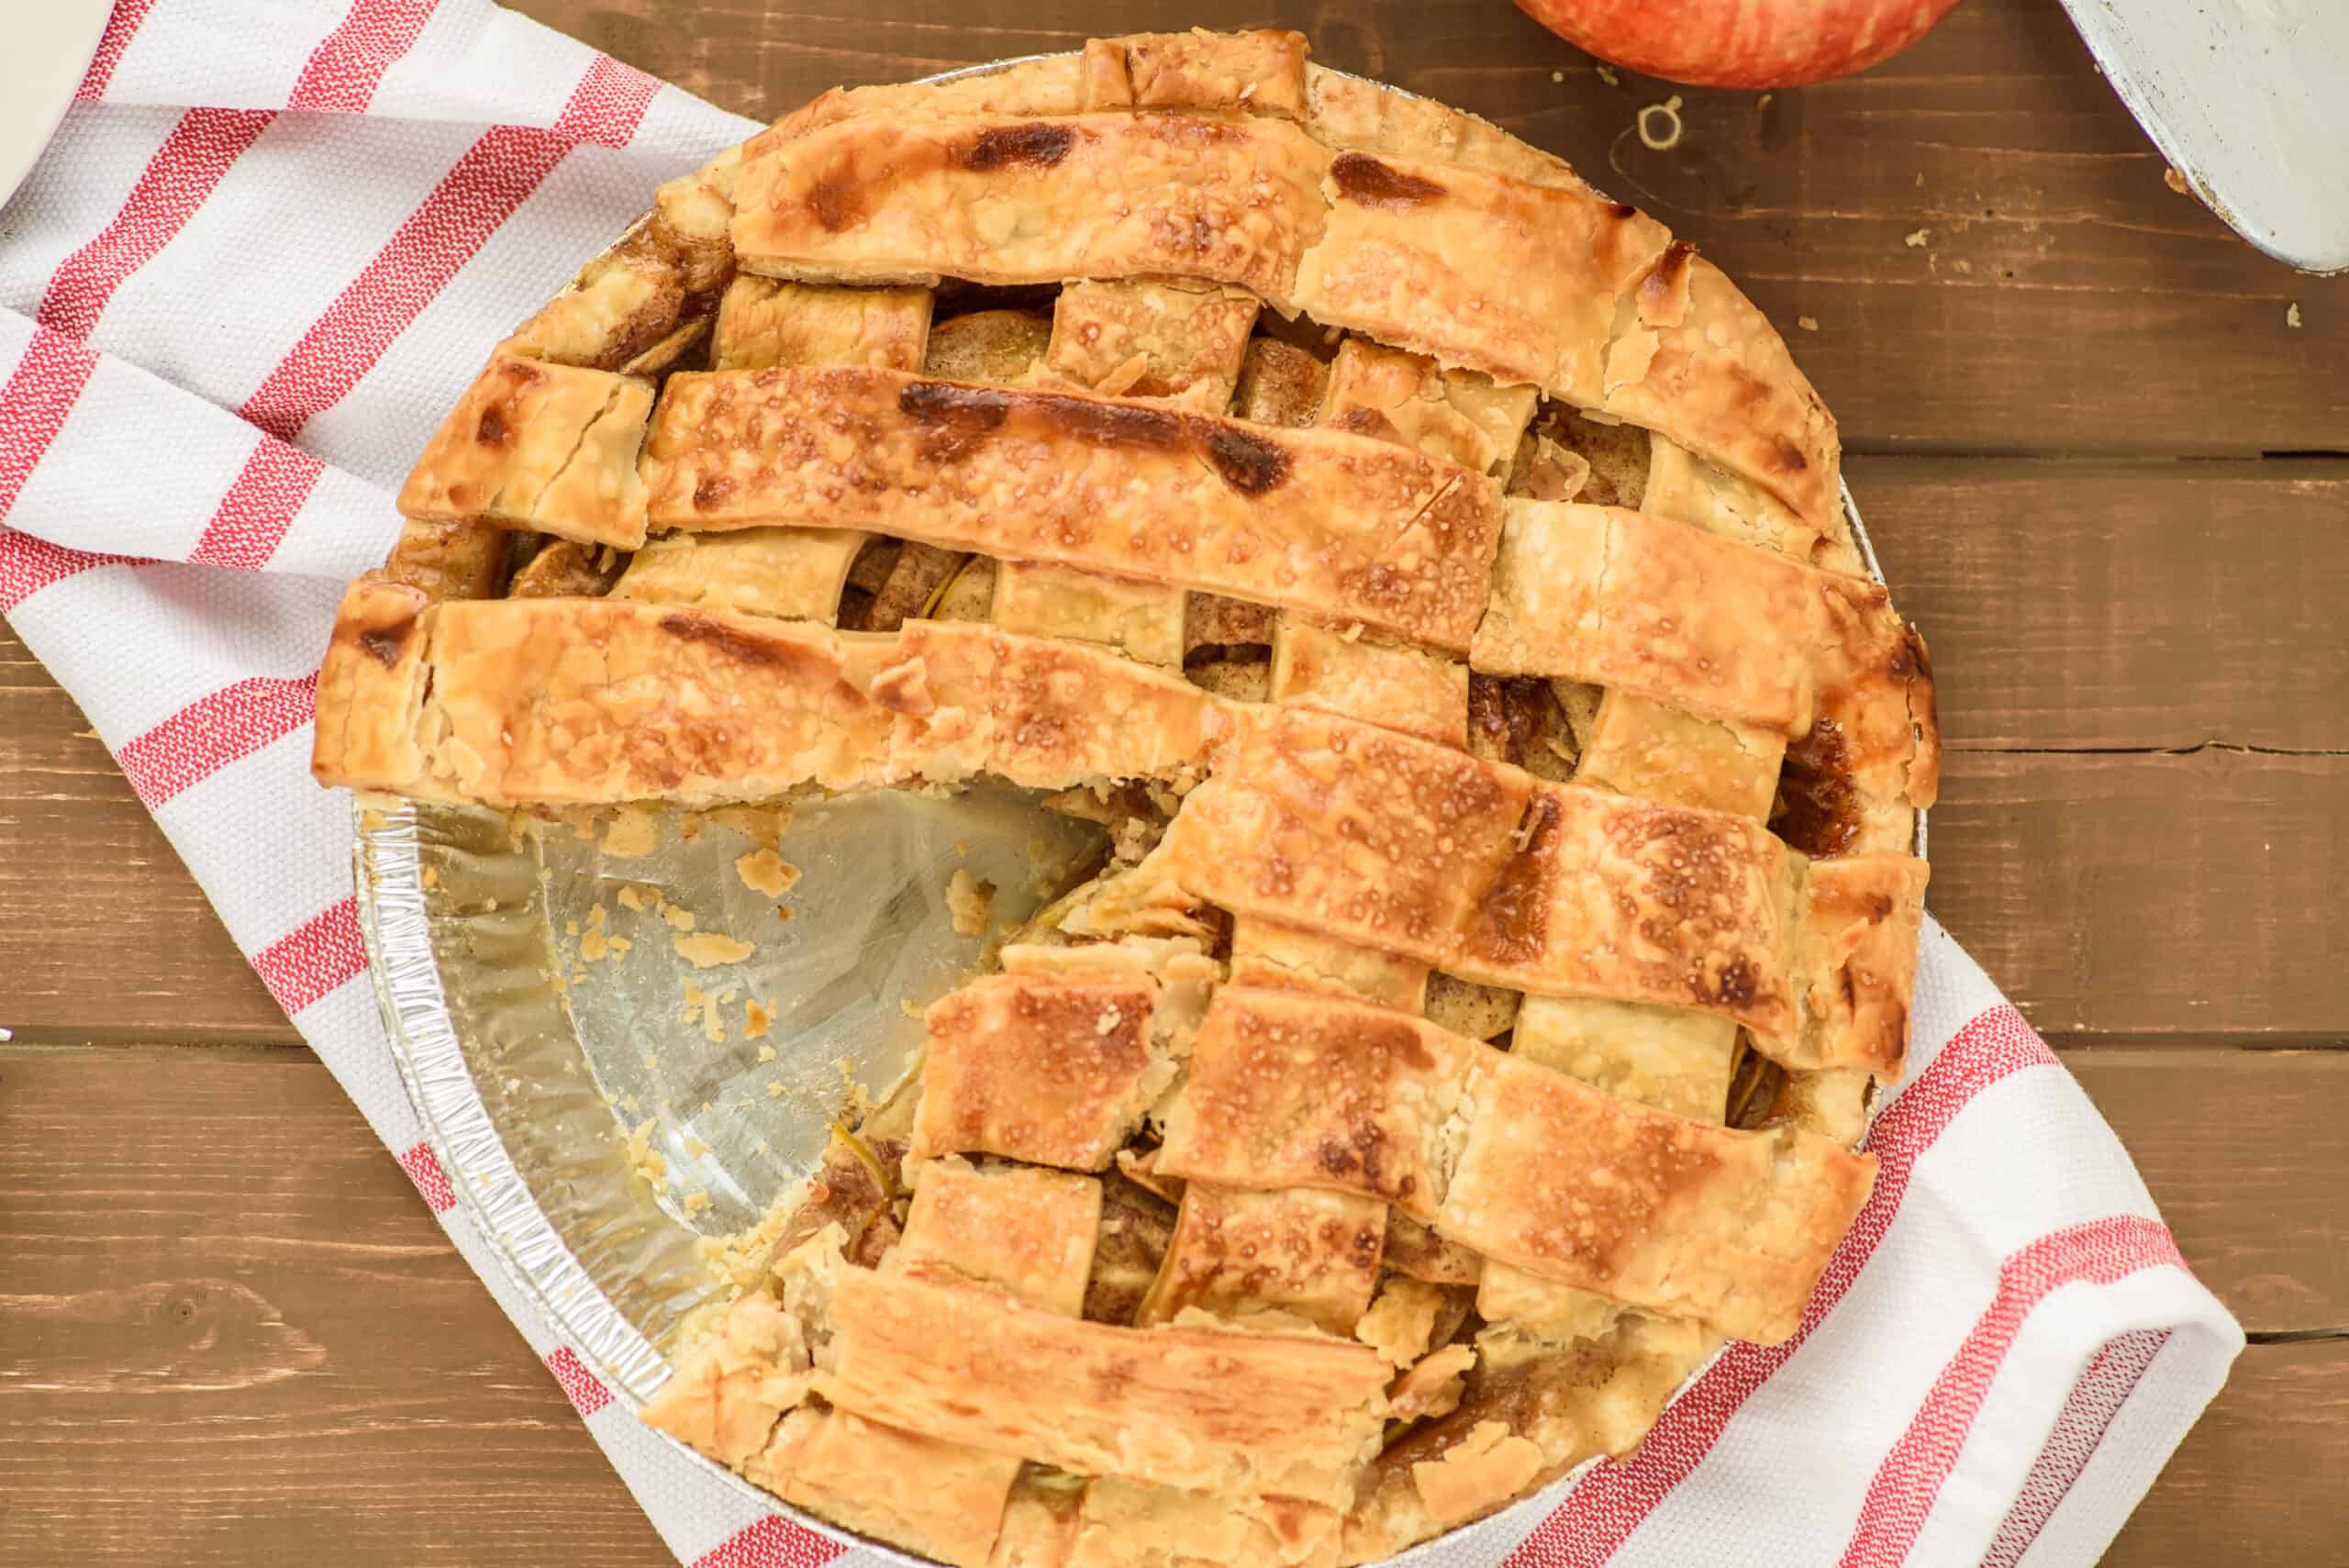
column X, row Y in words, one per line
column 764, row 871
column 633, row 831
column 707, row 949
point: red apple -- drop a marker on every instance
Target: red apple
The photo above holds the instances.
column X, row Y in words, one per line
column 1740, row 43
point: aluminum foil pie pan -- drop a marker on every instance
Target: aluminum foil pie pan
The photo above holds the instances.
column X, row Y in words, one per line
column 623, row 1060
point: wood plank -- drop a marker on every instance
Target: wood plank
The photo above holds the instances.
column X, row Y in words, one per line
column 283, row 1349
column 2062, row 298
column 2078, row 606
column 84, row 875
column 2257, row 1482
column 2247, row 1153
column 2151, row 896
column 233, row 1333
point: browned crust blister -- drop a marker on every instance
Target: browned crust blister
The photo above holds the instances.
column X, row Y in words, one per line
column 1453, row 554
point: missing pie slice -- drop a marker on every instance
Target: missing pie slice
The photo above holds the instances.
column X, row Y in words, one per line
column 1433, row 576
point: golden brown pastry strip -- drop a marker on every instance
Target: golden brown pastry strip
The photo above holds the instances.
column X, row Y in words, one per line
column 1404, row 688
column 1318, row 520
column 1703, row 365
column 539, row 446
column 1255, row 72
column 1289, row 1090
column 1598, row 1192
column 1141, row 338
column 1620, row 599
column 941, row 1498
column 1485, row 871
column 1460, row 415
column 1210, row 1408
column 1236, row 1253
column 999, row 199
column 552, row 702
column 1483, row 271
column 1047, row 1069
column 1027, row 1232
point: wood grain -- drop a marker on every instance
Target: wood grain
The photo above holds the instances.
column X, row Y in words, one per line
column 230, row 1332
column 2153, row 895
column 2062, row 298
column 2101, row 606
column 2247, row 1153
column 2257, row 1483
column 89, row 885
column 225, row 1301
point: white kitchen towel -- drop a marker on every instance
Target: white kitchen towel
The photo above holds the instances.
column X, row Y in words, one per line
column 268, row 249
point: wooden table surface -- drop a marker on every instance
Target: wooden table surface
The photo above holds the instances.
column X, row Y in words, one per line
column 2101, row 452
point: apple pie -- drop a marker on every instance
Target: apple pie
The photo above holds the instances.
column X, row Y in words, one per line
column 1432, row 576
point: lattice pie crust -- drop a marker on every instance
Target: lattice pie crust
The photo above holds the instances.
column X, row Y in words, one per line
column 1434, row 574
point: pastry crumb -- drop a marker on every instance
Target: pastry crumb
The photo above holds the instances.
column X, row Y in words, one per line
column 678, row 916
column 2173, row 179
column 2292, row 314
column 707, row 949
column 633, row 832
column 630, row 898
column 775, row 1089
column 1606, row 73
column 431, row 877
column 764, row 871
column 1915, row 238
column 646, row 1161
column 1557, row 76
column 1808, row 323
column 969, row 902
column 695, row 1202
column 701, row 1007
column 757, row 1019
